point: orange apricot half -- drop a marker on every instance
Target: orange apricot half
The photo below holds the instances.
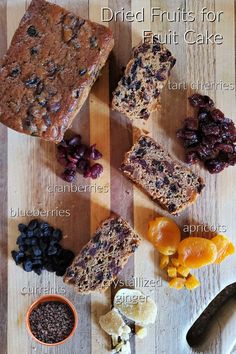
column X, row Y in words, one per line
column 165, row 235
column 225, row 248
column 197, row 252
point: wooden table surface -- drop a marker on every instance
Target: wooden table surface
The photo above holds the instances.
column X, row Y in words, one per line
column 29, row 172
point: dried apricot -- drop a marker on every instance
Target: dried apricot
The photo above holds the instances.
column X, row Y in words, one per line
column 184, row 271
column 175, row 262
column 196, row 252
column 192, row 283
column 224, row 247
column 172, row 272
column 164, row 262
column 165, row 235
column 177, row 283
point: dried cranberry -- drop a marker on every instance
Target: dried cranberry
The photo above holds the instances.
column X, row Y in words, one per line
column 93, row 153
column 83, row 165
column 75, row 141
column 80, row 151
column 69, row 175
column 96, row 170
column 211, row 129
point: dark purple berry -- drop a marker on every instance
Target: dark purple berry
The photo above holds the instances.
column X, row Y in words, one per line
column 93, row 153
column 96, row 170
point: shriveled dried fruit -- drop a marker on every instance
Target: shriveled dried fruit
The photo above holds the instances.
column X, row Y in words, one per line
column 211, row 138
column 225, row 248
column 177, row 283
column 192, row 283
column 196, row 252
column 164, row 233
column 164, row 262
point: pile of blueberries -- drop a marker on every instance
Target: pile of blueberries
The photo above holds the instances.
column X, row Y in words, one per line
column 39, row 248
column 76, row 157
column 210, row 138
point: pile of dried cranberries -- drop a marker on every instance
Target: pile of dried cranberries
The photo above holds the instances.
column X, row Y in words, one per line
column 210, row 138
column 75, row 156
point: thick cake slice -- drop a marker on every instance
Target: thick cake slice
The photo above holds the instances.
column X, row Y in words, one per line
column 46, row 75
column 166, row 181
column 137, row 94
column 101, row 260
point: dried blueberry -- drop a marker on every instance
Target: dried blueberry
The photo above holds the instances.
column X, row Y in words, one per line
column 33, row 224
column 15, row 72
column 34, row 51
column 82, row 71
column 22, row 228
column 18, row 257
column 57, row 235
column 33, row 81
column 27, row 265
column 32, row 32
column 172, row 208
column 37, row 251
column 93, row 42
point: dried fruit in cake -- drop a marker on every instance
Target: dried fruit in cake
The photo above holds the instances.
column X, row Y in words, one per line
column 196, row 252
column 104, row 256
column 165, row 234
column 166, row 181
column 146, row 74
column 137, row 307
column 46, row 75
column 210, row 138
column 225, row 248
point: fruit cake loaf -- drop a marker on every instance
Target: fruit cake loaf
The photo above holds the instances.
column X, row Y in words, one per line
column 137, row 94
column 166, row 181
column 46, row 75
column 101, row 260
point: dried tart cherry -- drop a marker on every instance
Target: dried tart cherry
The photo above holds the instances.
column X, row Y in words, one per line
column 165, row 235
column 197, row 252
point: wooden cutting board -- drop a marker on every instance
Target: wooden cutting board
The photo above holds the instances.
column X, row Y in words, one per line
column 29, row 174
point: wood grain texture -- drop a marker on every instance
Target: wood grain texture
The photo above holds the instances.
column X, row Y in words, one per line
column 29, row 173
column 3, row 196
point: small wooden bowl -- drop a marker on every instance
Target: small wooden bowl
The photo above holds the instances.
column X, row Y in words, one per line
column 47, row 298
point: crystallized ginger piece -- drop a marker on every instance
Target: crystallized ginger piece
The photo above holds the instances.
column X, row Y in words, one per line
column 172, row 272
column 177, row 283
column 192, row 283
column 184, row 271
column 164, row 262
